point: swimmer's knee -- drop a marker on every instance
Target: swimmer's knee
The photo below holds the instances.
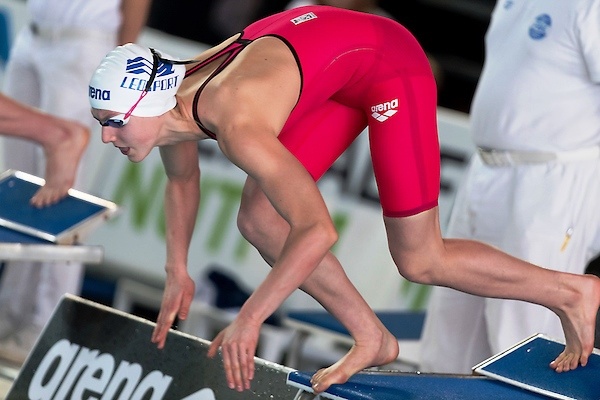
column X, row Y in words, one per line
column 255, row 220
column 415, row 270
column 246, row 225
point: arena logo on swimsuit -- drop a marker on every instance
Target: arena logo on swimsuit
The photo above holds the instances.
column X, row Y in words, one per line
column 382, row 112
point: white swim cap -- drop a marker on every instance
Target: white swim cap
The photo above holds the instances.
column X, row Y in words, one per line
column 123, row 76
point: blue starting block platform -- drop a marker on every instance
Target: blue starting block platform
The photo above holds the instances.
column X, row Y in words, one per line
column 380, row 385
column 63, row 222
column 527, row 365
column 51, row 233
column 520, row 373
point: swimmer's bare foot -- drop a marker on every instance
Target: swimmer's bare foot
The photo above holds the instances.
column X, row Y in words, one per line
column 63, row 148
column 578, row 318
column 359, row 357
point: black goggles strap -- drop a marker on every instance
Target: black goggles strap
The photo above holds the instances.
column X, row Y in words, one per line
column 156, row 60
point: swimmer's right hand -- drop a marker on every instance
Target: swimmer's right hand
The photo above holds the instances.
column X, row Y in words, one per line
column 177, row 299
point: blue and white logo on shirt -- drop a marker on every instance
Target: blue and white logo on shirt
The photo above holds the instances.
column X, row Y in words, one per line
column 539, row 29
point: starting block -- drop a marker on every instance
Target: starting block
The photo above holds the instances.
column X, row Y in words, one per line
column 28, row 233
column 393, row 385
column 520, row 373
column 527, row 365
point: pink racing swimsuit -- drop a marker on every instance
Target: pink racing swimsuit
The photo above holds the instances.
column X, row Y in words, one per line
column 357, row 70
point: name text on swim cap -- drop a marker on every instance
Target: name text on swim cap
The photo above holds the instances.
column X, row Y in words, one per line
column 140, row 84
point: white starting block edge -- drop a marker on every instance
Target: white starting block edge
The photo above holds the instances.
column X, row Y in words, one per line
column 205, row 342
column 51, row 252
column 306, row 393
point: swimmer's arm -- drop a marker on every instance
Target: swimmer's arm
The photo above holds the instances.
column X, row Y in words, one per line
column 248, row 108
column 182, row 196
column 296, row 197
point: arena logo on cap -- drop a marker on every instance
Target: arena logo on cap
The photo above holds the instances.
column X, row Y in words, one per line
column 141, row 66
column 99, row 94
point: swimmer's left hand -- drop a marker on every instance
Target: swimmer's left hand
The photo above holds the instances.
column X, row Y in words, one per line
column 238, row 346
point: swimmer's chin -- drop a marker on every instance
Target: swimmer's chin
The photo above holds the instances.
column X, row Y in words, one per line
column 135, row 159
column 133, row 155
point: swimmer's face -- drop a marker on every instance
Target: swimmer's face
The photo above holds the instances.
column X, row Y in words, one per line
column 129, row 134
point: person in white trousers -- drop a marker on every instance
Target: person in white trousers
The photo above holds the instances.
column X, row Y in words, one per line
column 533, row 187
column 49, row 67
